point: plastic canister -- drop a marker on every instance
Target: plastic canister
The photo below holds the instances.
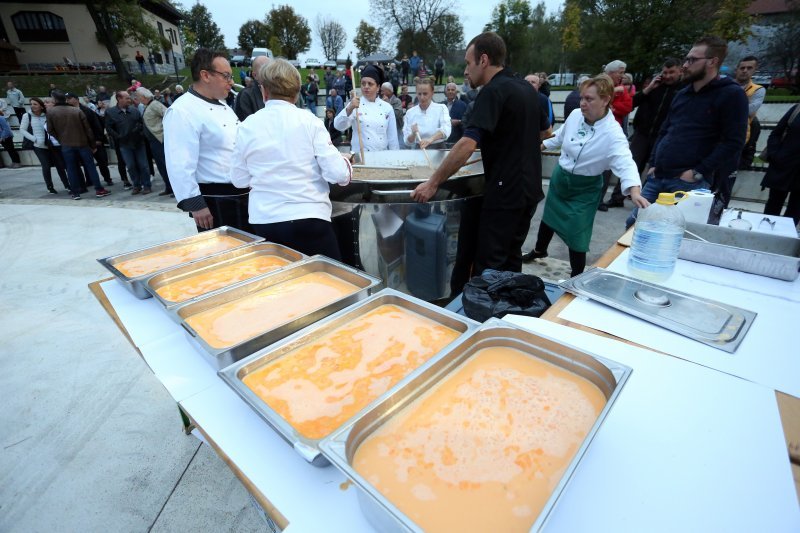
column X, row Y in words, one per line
column 657, row 238
column 696, row 205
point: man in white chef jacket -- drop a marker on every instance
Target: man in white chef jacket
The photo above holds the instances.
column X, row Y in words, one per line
column 199, row 136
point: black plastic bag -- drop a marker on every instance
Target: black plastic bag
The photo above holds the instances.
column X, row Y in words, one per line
column 495, row 294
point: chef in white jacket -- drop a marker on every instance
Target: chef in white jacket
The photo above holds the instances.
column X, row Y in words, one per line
column 376, row 117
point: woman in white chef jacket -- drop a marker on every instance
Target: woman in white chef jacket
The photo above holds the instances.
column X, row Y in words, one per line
column 376, row 117
column 591, row 141
column 427, row 123
column 284, row 154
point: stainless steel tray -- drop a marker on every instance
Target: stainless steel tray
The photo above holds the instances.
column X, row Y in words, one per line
column 773, row 256
column 137, row 284
column 715, row 324
column 340, row 446
column 220, row 358
column 306, row 447
column 215, row 262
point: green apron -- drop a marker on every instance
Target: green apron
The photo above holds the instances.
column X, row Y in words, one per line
column 571, row 206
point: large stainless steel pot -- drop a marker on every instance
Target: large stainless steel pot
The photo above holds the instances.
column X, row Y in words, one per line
column 412, row 247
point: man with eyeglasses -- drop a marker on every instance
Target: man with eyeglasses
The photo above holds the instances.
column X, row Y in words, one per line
column 702, row 137
column 199, row 136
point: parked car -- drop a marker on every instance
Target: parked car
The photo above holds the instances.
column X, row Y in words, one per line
column 261, row 52
column 782, row 82
column 329, row 63
column 295, row 63
column 239, row 61
column 762, row 79
column 312, row 63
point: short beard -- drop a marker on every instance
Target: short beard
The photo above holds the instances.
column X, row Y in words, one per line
column 697, row 76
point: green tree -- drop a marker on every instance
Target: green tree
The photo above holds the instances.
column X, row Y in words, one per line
column 411, row 19
column 544, row 51
column 290, row 29
column 331, row 35
column 253, row 34
column 275, row 46
column 732, row 22
column 784, row 46
column 118, row 22
column 447, row 35
column 367, row 39
column 511, row 20
column 205, row 30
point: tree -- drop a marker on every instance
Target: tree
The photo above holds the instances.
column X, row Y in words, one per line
column 732, row 22
column 290, row 29
column 331, row 35
column 253, row 34
column 447, row 35
column 411, row 18
column 784, row 45
column 275, row 46
column 119, row 21
column 510, row 20
column 205, row 30
column 367, row 39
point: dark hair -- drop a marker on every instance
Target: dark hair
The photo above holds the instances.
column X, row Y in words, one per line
column 492, row 45
column 58, row 96
column 748, row 58
column 38, row 101
column 202, row 60
column 672, row 62
column 715, row 47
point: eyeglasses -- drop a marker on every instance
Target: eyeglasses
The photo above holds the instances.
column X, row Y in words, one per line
column 225, row 75
column 691, row 60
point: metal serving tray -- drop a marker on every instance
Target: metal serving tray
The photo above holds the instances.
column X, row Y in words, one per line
column 306, row 447
column 713, row 323
column 215, row 262
column 220, row 358
column 773, row 256
column 341, row 445
column 137, row 284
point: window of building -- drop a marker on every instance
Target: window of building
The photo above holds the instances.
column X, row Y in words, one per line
column 39, row 26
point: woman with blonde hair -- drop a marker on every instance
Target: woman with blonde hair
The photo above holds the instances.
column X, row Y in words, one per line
column 427, row 123
column 591, row 141
column 285, row 156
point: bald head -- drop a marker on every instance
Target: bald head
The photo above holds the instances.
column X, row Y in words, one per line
column 534, row 80
column 258, row 64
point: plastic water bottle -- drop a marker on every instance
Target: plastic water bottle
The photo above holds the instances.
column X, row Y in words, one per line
column 657, row 239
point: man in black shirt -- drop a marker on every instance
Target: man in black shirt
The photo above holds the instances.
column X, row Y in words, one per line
column 505, row 123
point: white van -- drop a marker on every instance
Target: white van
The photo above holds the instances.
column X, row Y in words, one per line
column 565, row 78
column 261, row 52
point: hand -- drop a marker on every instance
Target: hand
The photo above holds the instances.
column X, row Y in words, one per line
column 424, row 192
column 652, row 171
column 619, row 89
column 414, row 128
column 653, row 84
column 203, row 218
column 354, row 102
column 424, row 143
column 639, row 200
column 687, row 176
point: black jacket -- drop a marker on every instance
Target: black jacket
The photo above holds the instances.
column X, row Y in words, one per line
column 248, row 101
column 652, row 109
column 94, row 123
column 784, row 155
column 126, row 129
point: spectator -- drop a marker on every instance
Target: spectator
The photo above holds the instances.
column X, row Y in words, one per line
column 102, row 94
column 457, row 107
column 544, row 85
column 422, row 72
column 99, row 152
column 91, row 94
column 52, row 88
column 700, row 142
column 7, row 140
column 427, row 123
column 199, row 139
column 140, row 60
column 388, row 96
column 250, row 99
column 70, row 127
column 340, row 84
column 135, row 84
column 783, row 175
column 334, row 101
column 336, row 135
column 755, row 96
column 34, row 130
column 413, row 64
column 167, row 98
column 152, row 60
column 286, row 160
column 55, row 147
column 178, row 92
column 544, row 102
column 124, row 125
column 573, row 100
column 438, row 70
column 591, row 142
column 621, row 106
column 330, row 78
column 16, row 100
column 405, row 65
column 153, row 118
column 310, row 91
column 405, row 98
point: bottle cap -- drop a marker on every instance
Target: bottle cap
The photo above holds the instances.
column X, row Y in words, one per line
column 670, row 198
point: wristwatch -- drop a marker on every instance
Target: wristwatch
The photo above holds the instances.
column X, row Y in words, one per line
column 696, row 176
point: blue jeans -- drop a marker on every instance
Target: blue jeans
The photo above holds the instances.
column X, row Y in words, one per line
column 655, row 185
column 311, row 101
column 73, row 156
column 136, row 161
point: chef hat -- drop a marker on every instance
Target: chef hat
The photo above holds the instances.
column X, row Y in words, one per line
column 371, row 71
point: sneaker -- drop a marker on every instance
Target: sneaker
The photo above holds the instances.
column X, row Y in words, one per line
column 127, row 185
column 101, row 193
column 136, row 190
column 76, row 196
column 147, row 190
column 52, row 190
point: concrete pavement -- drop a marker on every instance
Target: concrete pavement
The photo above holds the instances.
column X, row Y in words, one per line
column 90, row 440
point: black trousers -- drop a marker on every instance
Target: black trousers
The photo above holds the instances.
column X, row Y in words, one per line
column 8, row 144
column 228, row 205
column 775, row 203
column 101, row 157
column 47, row 159
column 310, row 236
column 121, row 168
column 577, row 260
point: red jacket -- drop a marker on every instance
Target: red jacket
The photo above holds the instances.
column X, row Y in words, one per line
column 622, row 104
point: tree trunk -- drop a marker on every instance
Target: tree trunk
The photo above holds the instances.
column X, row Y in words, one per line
column 103, row 24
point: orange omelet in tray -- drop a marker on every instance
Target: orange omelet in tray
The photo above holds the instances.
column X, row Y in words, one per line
column 149, row 263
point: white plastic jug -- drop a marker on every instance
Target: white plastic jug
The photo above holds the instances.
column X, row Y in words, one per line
column 696, row 205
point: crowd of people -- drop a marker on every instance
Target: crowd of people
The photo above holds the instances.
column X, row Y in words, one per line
column 256, row 161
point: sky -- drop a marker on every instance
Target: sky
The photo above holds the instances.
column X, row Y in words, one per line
column 474, row 14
